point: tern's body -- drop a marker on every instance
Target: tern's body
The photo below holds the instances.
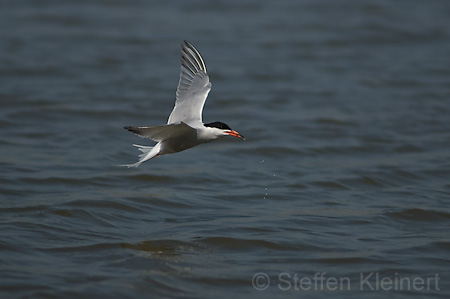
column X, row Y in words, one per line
column 184, row 128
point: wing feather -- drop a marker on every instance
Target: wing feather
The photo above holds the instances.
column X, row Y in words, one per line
column 193, row 88
column 161, row 133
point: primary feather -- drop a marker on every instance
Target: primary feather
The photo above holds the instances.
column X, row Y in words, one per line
column 193, row 88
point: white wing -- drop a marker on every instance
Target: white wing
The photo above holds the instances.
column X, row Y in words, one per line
column 193, row 88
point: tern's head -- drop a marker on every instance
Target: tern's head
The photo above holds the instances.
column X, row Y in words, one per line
column 223, row 129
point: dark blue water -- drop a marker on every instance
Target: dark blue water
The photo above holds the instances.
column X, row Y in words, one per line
column 340, row 189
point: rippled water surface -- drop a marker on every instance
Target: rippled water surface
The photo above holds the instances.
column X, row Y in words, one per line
column 341, row 184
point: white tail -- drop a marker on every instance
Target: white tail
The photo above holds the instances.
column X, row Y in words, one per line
column 148, row 152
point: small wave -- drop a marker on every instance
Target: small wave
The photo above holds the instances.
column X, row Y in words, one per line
column 163, row 246
column 235, row 244
column 383, row 178
column 409, row 148
column 365, row 181
column 101, row 204
column 349, row 261
column 84, row 248
column 442, row 245
column 416, row 214
column 150, row 178
column 330, row 185
column 297, row 186
column 342, row 149
column 334, row 121
column 273, row 151
column 67, row 181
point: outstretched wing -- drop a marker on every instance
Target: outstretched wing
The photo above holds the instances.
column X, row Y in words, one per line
column 193, row 88
column 161, row 133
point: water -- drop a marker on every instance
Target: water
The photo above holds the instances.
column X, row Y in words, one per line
column 341, row 187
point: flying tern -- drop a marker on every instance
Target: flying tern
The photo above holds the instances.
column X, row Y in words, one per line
column 185, row 128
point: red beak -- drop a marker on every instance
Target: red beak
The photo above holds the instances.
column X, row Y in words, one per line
column 235, row 134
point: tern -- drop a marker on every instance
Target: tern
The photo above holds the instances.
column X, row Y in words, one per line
column 185, row 128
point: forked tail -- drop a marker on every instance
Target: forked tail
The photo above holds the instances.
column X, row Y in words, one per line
column 148, row 152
